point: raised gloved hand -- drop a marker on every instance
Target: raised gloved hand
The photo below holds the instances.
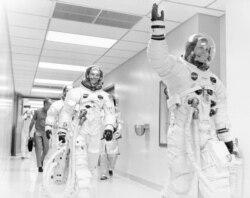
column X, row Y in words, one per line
column 48, row 133
column 154, row 14
column 108, row 135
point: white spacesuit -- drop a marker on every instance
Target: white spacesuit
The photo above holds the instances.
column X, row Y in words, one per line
column 92, row 101
column 51, row 122
column 27, row 116
column 198, row 161
column 109, row 149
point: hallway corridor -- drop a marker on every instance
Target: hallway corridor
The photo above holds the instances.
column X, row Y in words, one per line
column 22, row 180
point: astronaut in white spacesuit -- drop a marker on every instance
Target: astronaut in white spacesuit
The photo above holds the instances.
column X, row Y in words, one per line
column 26, row 119
column 200, row 141
column 109, row 149
column 52, row 118
column 92, row 102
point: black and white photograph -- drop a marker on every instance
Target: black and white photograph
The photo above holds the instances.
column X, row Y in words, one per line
column 124, row 98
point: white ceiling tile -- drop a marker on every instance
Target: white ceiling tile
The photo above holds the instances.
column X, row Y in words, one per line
column 137, row 36
column 130, row 46
column 29, row 64
column 120, row 53
column 24, row 77
column 143, row 25
column 25, row 20
column 24, row 74
column 70, row 55
column 74, row 48
column 201, row 3
column 64, row 61
column 57, row 75
column 26, row 42
column 28, row 79
column 106, row 59
column 22, row 85
column 216, row 13
column 104, row 65
column 27, row 32
column 187, row 11
column 137, row 7
column 219, row 4
column 21, row 82
column 87, row 29
column 24, row 70
column 25, row 89
column 35, row 7
column 24, row 57
column 25, row 50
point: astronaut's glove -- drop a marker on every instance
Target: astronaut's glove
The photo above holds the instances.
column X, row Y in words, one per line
column 230, row 146
column 154, row 14
column 82, row 116
column 108, row 135
column 48, row 133
column 62, row 138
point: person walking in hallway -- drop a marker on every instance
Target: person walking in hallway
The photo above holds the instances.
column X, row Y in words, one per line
column 41, row 141
column 93, row 102
column 109, row 149
column 200, row 143
column 52, row 118
column 26, row 118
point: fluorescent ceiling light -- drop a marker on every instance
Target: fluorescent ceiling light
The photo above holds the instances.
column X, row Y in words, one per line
column 36, row 106
column 4, row 88
column 62, row 66
column 35, row 102
column 42, row 90
column 6, row 101
column 48, row 81
column 3, row 78
column 80, row 39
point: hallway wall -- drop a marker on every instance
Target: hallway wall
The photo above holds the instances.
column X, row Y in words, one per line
column 137, row 87
column 6, row 92
column 238, row 70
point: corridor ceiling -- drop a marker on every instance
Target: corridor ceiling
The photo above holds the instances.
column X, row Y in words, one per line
column 126, row 21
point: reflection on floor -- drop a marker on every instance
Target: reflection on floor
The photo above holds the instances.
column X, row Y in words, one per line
column 22, row 180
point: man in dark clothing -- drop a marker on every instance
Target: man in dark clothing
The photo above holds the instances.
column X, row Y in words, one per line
column 41, row 141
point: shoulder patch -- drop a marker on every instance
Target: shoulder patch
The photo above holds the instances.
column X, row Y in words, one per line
column 85, row 95
column 100, row 97
column 194, row 76
column 213, row 80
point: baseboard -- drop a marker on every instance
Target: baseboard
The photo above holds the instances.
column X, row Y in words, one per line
column 140, row 180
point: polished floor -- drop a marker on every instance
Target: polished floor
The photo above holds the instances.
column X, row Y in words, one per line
column 22, row 180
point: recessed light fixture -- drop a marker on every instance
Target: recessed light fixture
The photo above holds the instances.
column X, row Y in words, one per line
column 55, row 82
column 35, row 102
column 4, row 88
column 57, row 66
column 79, row 39
column 3, row 78
column 43, row 90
